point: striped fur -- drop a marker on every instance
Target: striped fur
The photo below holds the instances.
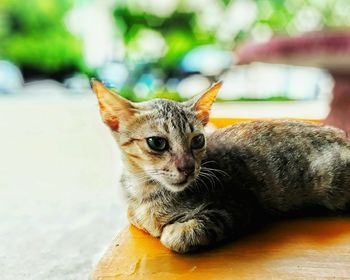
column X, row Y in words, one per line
column 244, row 172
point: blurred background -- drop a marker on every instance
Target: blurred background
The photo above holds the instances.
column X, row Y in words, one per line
column 59, row 168
column 171, row 48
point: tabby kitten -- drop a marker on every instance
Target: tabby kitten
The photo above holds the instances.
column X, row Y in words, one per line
column 193, row 190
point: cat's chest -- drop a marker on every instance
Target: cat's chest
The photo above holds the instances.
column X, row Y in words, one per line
column 146, row 208
column 147, row 217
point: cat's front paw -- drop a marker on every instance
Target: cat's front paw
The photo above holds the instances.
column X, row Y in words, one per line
column 184, row 237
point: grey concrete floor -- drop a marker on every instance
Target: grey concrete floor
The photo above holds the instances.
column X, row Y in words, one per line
column 60, row 206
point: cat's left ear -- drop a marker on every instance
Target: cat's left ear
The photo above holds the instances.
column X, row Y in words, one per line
column 115, row 110
column 203, row 103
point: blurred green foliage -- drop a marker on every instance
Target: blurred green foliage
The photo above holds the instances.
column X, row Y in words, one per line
column 33, row 35
column 297, row 16
column 177, row 30
column 183, row 29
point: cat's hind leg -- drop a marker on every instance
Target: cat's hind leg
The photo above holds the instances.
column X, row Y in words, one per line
column 331, row 184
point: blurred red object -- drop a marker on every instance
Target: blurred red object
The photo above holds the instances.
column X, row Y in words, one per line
column 328, row 50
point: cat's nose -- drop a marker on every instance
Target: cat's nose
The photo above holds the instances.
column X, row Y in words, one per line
column 186, row 170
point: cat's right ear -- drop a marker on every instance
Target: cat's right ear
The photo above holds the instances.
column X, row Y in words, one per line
column 114, row 108
column 203, row 103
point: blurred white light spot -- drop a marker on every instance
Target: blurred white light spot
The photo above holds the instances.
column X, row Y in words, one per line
column 192, row 86
column 171, row 84
column 209, row 60
column 147, row 45
column 141, row 90
column 209, row 15
column 234, row 84
column 263, row 81
column 163, row 8
column 93, row 22
column 113, row 72
column 196, row 5
column 78, row 83
column 308, row 19
column 10, row 77
column 262, row 33
column 239, row 15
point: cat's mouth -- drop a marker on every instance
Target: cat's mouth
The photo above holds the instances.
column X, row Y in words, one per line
column 181, row 184
column 178, row 184
column 177, row 187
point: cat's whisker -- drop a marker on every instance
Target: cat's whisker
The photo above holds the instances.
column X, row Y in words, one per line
column 207, row 162
column 143, row 180
column 142, row 177
column 211, row 180
column 211, row 176
column 203, row 184
column 208, row 177
column 212, row 173
column 217, row 170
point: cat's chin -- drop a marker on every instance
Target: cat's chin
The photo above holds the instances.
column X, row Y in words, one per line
column 176, row 187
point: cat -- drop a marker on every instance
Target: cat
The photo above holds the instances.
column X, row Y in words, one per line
column 192, row 190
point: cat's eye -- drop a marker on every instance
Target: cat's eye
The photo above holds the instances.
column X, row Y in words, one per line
column 158, row 144
column 198, row 142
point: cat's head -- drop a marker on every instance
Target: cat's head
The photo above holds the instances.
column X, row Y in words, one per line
column 161, row 140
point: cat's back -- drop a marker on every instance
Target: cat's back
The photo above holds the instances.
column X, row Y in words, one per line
column 282, row 160
column 261, row 133
column 277, row 138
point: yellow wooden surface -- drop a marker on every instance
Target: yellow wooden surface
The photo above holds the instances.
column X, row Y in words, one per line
column 317, row 248
column 299, row 249
column 222, row 122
